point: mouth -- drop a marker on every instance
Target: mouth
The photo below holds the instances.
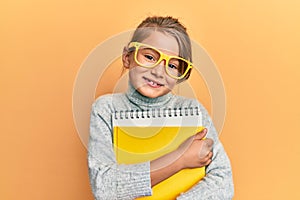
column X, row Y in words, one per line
column 152, row 83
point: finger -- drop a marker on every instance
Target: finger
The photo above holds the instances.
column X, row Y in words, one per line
column 208, row 156
column 200, row 135
column 205, row 162
column 208, row 143
column 203, row 152
column 208, row 162
column 205, row 146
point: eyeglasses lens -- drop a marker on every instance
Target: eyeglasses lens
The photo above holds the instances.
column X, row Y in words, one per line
column 149, row 57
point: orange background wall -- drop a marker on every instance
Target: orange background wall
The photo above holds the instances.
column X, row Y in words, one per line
column 255, row 45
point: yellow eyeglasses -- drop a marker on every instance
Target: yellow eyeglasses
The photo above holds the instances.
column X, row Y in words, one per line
column 149, row 57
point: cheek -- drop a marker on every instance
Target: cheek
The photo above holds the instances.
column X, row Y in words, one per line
column 135, row 74
column 136, row 70
column 171, row 82
column 132, row 76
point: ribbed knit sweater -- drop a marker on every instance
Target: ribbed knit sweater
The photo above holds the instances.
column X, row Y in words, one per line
column 111, row 181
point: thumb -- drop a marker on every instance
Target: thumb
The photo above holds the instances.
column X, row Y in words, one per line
column 200, row 135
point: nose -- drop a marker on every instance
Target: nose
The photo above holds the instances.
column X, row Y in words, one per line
column 159, row 69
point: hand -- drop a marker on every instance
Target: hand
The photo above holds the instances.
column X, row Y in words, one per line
column 195, row 151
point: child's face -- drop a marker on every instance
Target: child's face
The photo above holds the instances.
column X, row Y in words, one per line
column 153, row 82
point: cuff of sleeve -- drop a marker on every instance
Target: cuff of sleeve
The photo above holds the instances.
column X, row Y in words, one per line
column 134, row 181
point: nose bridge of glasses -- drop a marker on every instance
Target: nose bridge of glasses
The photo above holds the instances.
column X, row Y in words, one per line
column 159, row 67
column 163, row 57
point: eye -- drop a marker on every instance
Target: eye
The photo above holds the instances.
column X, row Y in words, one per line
column 172, row 66
column 149, row 57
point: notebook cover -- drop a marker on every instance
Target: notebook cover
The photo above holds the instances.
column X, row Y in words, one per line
column 142, row 139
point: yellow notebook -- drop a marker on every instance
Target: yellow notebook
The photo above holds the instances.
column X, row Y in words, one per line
column 141, row 136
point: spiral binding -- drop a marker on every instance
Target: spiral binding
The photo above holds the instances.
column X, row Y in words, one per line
column 157, row 113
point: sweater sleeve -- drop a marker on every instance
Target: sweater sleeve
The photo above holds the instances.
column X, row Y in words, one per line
column 108, row 179
column 218, row 183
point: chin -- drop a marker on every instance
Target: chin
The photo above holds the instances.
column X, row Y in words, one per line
column 153, row 96
column 145, row 92
column 151, row 93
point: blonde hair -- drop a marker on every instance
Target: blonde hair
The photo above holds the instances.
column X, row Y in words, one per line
column 167, row 25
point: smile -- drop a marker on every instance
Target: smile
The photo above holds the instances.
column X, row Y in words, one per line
column 152, row 83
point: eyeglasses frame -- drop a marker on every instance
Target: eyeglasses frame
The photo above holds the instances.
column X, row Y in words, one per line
column 163, row 56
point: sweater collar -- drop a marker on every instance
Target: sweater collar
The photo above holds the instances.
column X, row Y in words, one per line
column 142, row 101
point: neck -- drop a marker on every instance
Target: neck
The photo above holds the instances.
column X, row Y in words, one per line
column 145, row 102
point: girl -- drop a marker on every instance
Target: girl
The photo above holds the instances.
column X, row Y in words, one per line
column 152, row 76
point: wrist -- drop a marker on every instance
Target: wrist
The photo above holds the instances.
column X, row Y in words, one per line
column 165, row 166
column 179, row 162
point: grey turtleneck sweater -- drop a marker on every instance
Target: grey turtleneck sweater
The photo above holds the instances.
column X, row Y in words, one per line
column 111, row 181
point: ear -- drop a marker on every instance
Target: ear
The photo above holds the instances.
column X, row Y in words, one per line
column 125, row 58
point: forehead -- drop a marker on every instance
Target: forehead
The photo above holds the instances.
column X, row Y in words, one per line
column 163, row 42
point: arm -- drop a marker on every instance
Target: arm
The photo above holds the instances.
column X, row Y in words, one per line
column 218, row 183
column 109, row 180
column 192, row 153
